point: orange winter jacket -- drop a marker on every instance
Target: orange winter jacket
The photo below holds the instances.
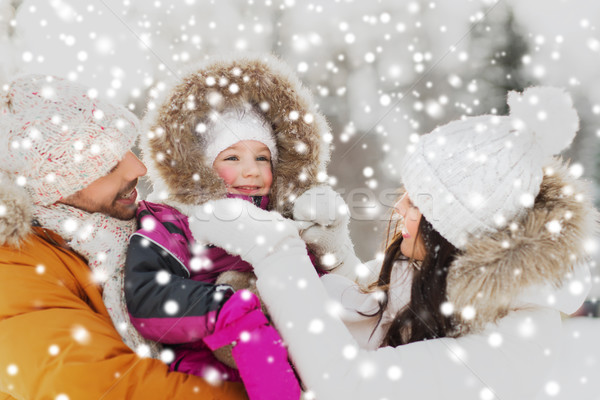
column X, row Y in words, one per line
column 46, row 294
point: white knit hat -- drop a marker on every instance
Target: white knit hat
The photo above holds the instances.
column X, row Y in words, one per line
column 476, row 175
column 235, row 125
column 56, row 138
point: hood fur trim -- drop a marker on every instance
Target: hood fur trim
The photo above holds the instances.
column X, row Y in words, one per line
column 493, row 270
column 174, row 151
column 16, row 213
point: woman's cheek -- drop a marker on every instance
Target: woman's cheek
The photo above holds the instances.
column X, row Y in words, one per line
column 412, row 226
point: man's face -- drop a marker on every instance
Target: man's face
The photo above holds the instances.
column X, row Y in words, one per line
column 114, row 194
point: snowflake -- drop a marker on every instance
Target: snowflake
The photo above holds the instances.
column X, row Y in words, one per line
column 394, row 373
column 245, row 336
column 163, row 277
column 171, row 307
column 143, row 350
column 367, row 369
column 576, row 288
column 468, row 313
column 148, row 224
column 495, row 339
column 486, row 394
column 552, row 388
column 527, row 328
column 554, row 227
column 53, row 350
column 80, row 334
column 316, row 326
column 167, row 356
column 447, row 308
column 12, row 369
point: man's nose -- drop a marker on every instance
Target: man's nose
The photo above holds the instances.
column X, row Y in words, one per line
column 134, row 168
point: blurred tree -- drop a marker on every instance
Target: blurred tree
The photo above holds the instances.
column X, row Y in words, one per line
column 8, row 38
column 498, row 46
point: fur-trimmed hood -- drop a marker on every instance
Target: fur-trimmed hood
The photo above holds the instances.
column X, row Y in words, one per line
column 16, row 213
column 517, row 265
column 173, row 149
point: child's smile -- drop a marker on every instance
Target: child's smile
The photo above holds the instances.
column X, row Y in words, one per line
column 246, row 168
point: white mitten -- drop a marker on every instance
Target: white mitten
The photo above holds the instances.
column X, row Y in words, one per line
column 323, row 218
column 243, row 229
column 321, row 205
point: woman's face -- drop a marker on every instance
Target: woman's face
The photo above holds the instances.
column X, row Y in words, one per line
column 412, row 243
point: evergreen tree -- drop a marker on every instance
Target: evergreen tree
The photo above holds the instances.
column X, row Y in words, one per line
column 501, row 46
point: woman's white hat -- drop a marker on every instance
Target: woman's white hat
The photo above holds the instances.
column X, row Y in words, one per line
column 477, row 175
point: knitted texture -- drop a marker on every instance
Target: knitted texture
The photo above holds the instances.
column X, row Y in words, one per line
column 233, row 126
column 102, row 241
column 476, row 175
column 57, row 138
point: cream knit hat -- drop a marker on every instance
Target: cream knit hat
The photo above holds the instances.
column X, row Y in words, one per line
column 476, row 175
column 235, row 125
column 56, row 137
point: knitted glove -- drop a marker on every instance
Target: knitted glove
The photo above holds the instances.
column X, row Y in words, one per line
column 243, row 229
column 323, row 218
column 240, row 280
column 258, row 350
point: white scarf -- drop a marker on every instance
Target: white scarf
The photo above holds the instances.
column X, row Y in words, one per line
column 102, row 241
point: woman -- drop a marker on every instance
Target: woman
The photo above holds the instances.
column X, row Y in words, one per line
column 467, row 302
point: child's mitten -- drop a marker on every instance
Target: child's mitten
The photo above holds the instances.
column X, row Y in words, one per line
column 258, row 350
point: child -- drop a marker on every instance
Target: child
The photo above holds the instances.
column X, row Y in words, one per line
column 238, row 138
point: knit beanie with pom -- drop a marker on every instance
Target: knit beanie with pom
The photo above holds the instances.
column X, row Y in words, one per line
column 476, row 175
column 235, row 125
column 56, row 137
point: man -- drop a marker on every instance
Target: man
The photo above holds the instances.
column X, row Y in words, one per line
column 67, row 202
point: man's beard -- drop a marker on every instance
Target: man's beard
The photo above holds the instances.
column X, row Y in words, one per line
column 121, row 211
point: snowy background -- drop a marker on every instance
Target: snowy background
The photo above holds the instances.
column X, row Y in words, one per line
column 382, row 71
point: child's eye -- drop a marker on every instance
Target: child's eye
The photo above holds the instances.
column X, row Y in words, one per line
column 231, row 158
column 262, row 158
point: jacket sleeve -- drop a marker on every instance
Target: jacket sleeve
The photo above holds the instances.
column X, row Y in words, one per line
column 163, row 303
column 508, row 361
column 52, row 342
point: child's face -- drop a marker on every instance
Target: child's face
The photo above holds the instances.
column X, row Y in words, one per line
column 246, row 168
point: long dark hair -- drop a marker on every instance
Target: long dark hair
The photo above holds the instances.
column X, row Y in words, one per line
column 422, row 317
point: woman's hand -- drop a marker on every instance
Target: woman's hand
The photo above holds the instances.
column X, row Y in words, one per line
column 323, row 206
column 243, row 229
column 323, row 216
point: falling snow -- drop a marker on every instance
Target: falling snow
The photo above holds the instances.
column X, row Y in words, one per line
column 383, row 72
